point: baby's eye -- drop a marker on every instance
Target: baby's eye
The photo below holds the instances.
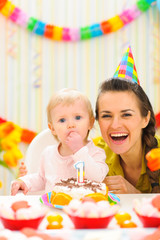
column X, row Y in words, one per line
column 78, row 117
column 62, row 120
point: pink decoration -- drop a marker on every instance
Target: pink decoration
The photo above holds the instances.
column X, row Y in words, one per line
column 74, row 34
column 65, row 34
column 22, row 19
column 15, row 14
column 135, row 12
column 130, row 14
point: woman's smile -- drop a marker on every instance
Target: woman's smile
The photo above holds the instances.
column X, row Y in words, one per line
column 118, row 138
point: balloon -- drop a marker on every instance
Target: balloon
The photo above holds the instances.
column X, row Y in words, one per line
column 31, row 23
column 96, row 30
column 48, row 33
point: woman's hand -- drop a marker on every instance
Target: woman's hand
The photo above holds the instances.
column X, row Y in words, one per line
column 118, row 184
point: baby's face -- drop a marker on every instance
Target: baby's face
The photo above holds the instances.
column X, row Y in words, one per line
column 70, row 118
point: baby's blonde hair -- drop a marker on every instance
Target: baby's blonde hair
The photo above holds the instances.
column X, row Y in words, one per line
column 67, row 96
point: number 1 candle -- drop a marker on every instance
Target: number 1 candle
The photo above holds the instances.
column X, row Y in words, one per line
column 80, row 171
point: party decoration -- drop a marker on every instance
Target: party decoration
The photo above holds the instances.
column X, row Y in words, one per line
column 2, row 3
column 96, row 30
column 40, row 28
column 80, row 171
column 106, row 27
column 143, row 5
column 31, row 23
column 27, row 135
column 74, row 34
column 157, row 117
column 12, row 45
column 127, row 69
column 153, row 159
column 7, row 9
column 54, row 222
column 48, row 33
column 116, row 23
column 113, row 199
column 66, row 35
column 158, row 4
column 57, row 33
column 129, row 15
column 10, row 136
column 15, row 14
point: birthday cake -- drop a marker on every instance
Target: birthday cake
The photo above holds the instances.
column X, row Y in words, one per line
column 78, row 190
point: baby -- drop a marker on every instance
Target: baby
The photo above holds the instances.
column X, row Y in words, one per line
column 70, row 118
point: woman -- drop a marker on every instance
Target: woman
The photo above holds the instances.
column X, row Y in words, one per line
column 127, row 124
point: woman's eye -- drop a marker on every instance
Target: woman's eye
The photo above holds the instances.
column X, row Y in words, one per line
column 78, row 117
column 106, row 116
column 62, row 120
column 127, row 115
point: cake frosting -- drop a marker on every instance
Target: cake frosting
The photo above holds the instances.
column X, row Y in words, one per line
column 79, row 190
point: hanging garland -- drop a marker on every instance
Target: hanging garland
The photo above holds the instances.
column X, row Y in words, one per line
column 53, row 32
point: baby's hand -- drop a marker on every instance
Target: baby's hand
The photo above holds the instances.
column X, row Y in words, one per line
column 22, row 170
column 74, row 141
column 18, row 185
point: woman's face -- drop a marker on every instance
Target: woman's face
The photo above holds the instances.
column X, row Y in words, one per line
column 120, row 121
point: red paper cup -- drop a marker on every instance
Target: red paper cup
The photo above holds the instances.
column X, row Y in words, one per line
column 90, row 223
column 149, row 222
column 14, row 224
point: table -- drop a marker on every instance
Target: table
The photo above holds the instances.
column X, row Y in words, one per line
column 68, row 230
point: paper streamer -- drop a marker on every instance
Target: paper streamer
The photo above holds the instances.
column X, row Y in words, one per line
column 58, row 33
column 12, row 43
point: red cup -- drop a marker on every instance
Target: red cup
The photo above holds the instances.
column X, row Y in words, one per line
column 91, row 223
column 148, row 222
column 14, row 224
